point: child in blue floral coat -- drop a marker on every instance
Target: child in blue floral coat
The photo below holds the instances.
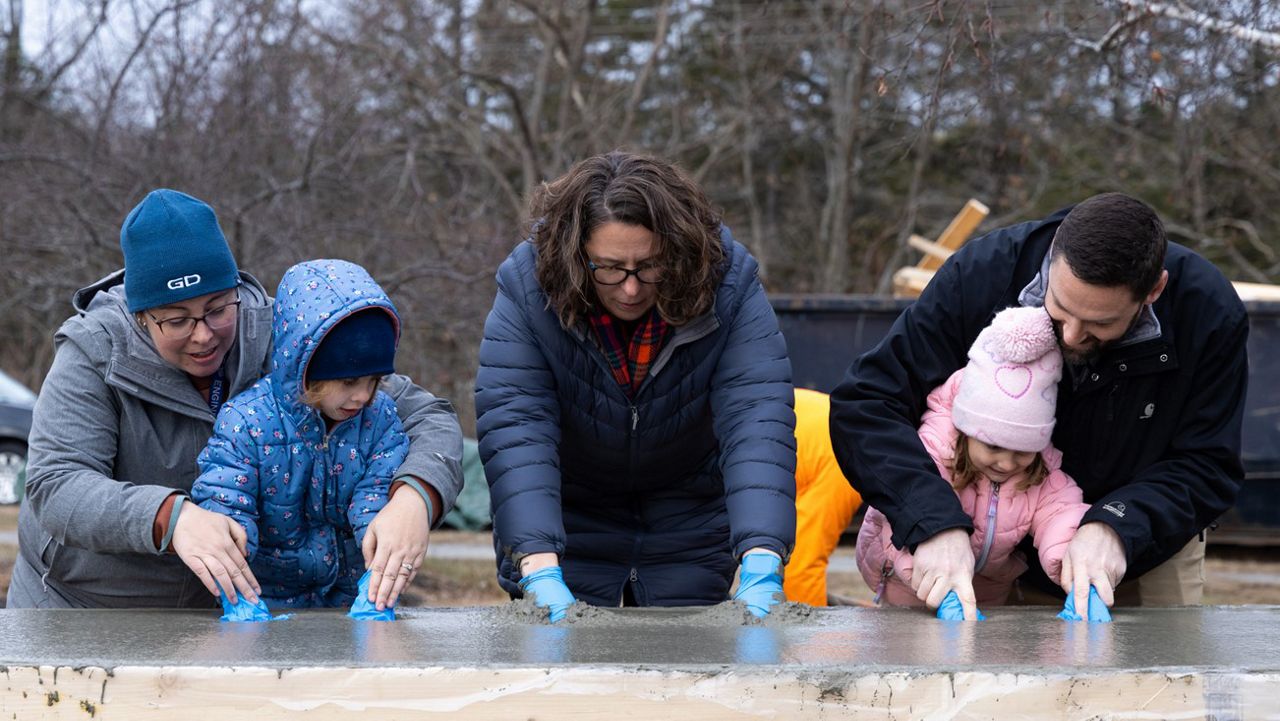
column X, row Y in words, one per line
column 304, row 459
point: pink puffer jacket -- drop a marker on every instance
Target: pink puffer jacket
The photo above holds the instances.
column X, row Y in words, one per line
column 1050, row 511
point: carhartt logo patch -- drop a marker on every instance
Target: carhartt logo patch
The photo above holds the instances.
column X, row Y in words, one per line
column 1115, row 507
column 185, row 281
column 1147, row 411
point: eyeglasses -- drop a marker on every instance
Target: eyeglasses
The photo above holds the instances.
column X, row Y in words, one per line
column 617, row 275
column 181, row 327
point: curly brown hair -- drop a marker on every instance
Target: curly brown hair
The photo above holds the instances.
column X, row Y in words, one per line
column 964, row 472
column 635, row 190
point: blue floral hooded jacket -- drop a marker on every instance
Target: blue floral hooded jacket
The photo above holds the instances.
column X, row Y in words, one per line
column 304, row 496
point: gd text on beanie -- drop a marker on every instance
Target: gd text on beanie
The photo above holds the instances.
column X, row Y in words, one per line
column 173, row 251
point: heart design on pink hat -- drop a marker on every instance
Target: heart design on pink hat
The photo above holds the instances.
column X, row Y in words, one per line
column 1013, row 380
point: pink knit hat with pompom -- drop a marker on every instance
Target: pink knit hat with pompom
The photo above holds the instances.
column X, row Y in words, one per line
column 1009, row 390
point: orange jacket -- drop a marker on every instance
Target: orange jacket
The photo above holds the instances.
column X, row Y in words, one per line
column 825, row 502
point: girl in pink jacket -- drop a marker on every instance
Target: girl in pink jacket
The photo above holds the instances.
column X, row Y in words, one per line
column 988, row 429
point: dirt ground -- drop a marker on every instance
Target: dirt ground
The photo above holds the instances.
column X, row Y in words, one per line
column 450, row 578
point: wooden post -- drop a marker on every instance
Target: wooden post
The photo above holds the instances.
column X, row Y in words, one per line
column 957, row 232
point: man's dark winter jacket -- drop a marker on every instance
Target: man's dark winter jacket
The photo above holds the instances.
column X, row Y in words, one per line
column 664, row 492
column 1151, row 433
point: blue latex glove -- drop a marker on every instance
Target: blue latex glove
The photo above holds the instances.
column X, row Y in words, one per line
column 1097, row 611
column 546, row 587
column 951, row 610
column 243, row 612
column 363, row 609
column 760, row 583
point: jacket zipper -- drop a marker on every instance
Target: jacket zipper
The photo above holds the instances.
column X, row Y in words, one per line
column 324, row 465
column 1111, row 402
column 338, row 551
column 327, row 467
column 886, row 572
column 711, row 324
column 635, row 505
column 991, row 526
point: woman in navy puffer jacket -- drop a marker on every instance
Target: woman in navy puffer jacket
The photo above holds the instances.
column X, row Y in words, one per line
column 634, row 400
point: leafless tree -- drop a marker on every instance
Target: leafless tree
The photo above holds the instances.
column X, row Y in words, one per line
column 406, row 134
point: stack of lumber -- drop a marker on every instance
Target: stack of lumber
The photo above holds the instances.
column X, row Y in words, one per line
column 909, row 282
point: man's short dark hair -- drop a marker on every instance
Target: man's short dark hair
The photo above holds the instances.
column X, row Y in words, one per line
column 1113, row 240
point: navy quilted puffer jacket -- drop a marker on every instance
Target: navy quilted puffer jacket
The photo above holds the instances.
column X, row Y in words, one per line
column 665, row 491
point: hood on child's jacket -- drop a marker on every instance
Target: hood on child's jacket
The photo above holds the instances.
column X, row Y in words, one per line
column 312, row 298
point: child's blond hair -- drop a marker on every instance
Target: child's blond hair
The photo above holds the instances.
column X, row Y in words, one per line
column 964, row 472
column 315, row 391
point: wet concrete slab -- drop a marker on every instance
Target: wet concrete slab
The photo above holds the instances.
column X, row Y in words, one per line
column 1240, row 638
column 492, row 662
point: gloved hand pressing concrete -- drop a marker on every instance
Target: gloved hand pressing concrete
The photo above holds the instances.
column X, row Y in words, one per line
column 1097, row 611
column 547, row 589
column 760, row 582
column 243, row 611
column 362, row 609
column 951, row 610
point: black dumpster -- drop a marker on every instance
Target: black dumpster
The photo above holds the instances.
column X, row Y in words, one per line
column 825, row 332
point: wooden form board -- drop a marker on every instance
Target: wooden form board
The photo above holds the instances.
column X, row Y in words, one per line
column 584, row 692
column 957, row 232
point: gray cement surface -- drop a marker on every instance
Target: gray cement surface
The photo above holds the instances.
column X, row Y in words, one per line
column 1244, row 639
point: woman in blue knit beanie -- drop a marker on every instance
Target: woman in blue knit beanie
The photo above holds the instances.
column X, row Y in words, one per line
column 140, row 373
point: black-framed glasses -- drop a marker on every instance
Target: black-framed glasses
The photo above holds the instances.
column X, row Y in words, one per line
column 617, row 275
column 216, row 318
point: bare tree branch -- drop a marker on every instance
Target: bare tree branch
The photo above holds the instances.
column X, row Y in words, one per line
column 51, row 81
column 1111, row 37
column 105, row 114
column 639, row 87
column 1202, row 241
column 1179, row 11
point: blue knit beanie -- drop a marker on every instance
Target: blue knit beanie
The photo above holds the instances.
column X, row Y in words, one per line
column 362, row 344
column 174, row 251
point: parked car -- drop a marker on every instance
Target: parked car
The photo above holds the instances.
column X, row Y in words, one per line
column 16, row 403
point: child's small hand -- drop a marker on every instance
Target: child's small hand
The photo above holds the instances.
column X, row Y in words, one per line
column 394, row 545
column 214, row 547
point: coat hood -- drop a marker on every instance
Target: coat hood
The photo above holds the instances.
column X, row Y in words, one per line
column 312, row 298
